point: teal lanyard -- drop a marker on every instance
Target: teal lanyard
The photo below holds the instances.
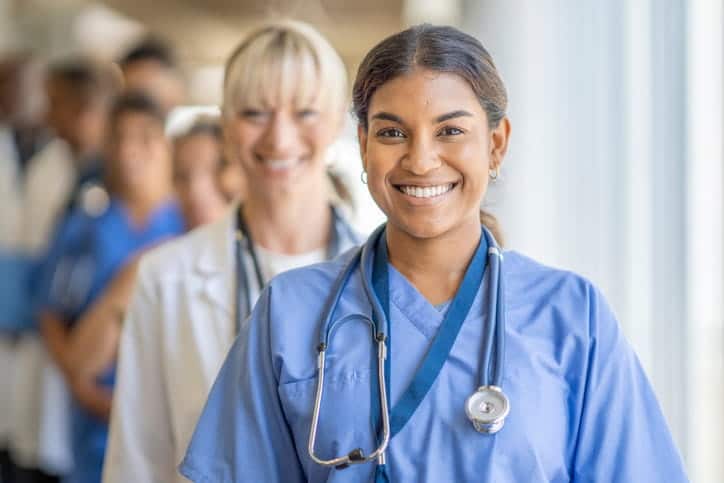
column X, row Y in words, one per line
column 439, row 349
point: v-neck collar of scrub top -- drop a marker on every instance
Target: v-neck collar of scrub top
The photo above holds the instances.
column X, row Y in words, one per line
column 425, row 317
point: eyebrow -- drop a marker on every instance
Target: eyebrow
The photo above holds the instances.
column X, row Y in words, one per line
column 452, row 115
column 386, row 116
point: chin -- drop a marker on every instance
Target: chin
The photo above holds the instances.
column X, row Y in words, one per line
column 422, row 229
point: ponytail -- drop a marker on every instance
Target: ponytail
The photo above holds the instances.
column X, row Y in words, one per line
column 340, row 190
column 491, row 223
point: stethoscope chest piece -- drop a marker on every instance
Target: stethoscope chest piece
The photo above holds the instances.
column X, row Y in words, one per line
column 487, row 408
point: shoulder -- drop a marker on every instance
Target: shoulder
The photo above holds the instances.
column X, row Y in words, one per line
column 72, row 225
column 55, row 157
column 303, row 292
column 524, row 273
column 311, row 280
column 561, row 297
column 177, row 257
column 170, row 217
column 289, row 311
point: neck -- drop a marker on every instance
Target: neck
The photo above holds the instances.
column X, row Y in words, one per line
column 435, row 266
column 292, row 223
column 142, row 206
column 82, row 153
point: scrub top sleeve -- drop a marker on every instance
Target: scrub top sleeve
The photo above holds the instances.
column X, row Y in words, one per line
column 45, row 296
column 622, row 434
column 140, row 446
column 242, row 434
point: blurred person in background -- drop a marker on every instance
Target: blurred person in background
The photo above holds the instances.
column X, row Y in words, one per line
column 197, row 167
column 150, row 66
column 200, row 170
column 93, row 245
column 57, row 178
column 232, row 181
column 284, row 103
column 21, row 137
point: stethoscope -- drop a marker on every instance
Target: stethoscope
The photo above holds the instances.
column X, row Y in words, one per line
column 244, row 301
column 486, row 408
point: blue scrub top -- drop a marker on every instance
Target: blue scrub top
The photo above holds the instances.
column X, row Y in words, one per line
column 87, row 253
column 581, row 406
column 21, row 271
column 15, row 291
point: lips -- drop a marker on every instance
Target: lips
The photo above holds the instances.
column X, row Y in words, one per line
column 430, row 191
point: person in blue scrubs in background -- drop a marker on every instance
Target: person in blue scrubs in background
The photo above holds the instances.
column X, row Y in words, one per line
column 432, row 130
column 80, row 93
column 93, row 245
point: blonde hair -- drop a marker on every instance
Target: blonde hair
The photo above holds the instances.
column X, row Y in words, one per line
column 284, row 61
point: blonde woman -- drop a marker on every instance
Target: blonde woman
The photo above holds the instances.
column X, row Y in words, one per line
column 284, row 100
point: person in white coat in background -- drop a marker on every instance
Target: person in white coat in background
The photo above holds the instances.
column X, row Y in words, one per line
column 64, row 175
column 20, row 140
column 284, row 103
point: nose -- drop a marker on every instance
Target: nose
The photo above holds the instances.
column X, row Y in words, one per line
column 280, row 136
column 421, row 157
column 128, row 149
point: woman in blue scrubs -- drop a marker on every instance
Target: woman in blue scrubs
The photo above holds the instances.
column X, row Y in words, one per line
column 94, row 244
column 433, row 130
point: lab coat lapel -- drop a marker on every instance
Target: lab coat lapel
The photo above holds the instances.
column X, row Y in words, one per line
column 215, row 267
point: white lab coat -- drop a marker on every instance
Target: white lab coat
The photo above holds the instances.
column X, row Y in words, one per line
column 39, row 431
column 178, row 329
column 180, row 320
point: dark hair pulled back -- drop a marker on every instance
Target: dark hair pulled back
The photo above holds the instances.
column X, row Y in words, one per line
column 440, row 49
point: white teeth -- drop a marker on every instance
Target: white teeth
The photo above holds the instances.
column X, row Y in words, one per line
column 279, row 164
column 426, row 192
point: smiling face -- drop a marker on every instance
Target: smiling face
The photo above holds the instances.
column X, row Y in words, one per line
column 281, row 148
column 284, row 100
column 428, row 150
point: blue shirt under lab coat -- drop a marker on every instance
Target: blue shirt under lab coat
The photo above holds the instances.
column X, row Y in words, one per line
column 581, row 407
column 86, row 254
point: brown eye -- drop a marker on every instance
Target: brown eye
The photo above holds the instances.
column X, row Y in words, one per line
column 390, row 133
column 450, row 131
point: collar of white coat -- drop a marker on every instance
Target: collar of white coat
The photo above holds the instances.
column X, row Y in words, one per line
column 215, row 264
column 216, row 256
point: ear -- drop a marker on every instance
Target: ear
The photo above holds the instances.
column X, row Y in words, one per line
column 362, row 137
column 499, row 138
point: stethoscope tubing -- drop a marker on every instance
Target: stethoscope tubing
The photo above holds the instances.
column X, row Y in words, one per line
column 493, row 343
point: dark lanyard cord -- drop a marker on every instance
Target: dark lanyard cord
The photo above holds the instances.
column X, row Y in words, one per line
column 242, row 279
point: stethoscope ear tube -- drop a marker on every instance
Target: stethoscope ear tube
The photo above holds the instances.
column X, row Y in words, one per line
column 356, row 456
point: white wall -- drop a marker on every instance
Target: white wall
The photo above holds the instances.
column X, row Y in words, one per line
column 615, row 171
